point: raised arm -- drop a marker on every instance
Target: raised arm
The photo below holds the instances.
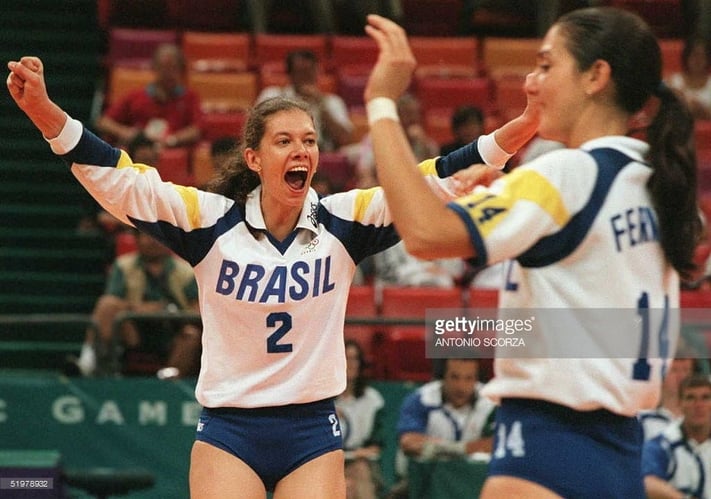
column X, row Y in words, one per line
column 428, row 228
column 27, row 88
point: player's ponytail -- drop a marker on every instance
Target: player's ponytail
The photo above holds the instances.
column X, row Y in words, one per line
column 673, row 183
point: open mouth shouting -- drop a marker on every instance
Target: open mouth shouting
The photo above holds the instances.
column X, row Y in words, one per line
column 296, row 177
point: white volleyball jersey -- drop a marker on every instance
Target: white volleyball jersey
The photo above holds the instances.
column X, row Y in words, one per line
column 272, row 312
column 580, row 231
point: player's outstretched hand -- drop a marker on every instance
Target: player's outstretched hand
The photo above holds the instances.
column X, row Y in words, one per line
column 393, row 70
column 26, row 84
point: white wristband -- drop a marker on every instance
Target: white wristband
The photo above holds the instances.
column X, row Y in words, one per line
column 381, row 108
column 68, row 138
column 491, row 152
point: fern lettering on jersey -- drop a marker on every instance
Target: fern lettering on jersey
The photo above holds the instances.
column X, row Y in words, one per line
column 634, row 226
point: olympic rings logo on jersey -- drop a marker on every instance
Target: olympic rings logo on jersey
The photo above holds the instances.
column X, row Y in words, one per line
column 311, row 247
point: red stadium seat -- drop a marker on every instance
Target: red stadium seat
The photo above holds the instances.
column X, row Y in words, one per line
column 361, row 304
column 351, row 80
column 217, row 51
column 123, row 80
column 483, row 298
column 510, row 96
column 412, row 302
column 447, row 52
column 438, row 125
column 449, row 93
column 695, row 299
column 702, row 134
column 406, row 340
column 226, row 124
column 510, row 55
column 671, row 55
column 125, row 242
column 273, row 73
column 352, row 50
column 134, row 47
column 222, row 92
column 174, row 166
column 272, row 47
column 202, row 163
column 404, row 355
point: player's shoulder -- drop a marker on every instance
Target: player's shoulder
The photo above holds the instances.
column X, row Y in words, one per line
column 558, row 163
column 357, row 205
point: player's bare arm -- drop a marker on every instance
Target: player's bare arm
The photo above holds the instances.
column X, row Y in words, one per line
column 421, row 217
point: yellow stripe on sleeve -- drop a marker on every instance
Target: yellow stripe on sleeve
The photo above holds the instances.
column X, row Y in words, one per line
column 362, row 201
column 126, row 162
column 532, row 186
column 192, row 207
column 487, row 210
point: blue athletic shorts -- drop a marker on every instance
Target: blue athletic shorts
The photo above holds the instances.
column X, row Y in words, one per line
column 576, row 454
column 273, row 441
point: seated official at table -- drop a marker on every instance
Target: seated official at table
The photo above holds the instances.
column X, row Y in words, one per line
column 445, row 418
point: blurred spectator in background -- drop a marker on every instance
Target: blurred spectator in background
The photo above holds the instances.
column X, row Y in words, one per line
column 676, row 463
column 152, row 279
column 396, row 267
column 330, row 113
column 360, row 412
column 669, row 409
column 467, row 125
column 166, row 110
column 693, row 82
column 424, row 146
column 445, row 418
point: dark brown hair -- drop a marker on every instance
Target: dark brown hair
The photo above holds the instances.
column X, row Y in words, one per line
column 693, row 381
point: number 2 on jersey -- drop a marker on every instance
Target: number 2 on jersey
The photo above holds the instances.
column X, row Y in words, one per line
column 282, row 321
